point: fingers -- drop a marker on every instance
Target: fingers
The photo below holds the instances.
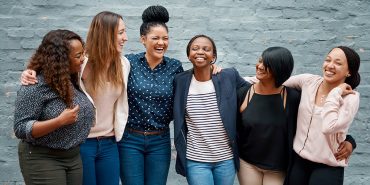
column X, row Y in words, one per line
column 28, row 77
column 76, row 108
column 75, row 112
column 341, row 157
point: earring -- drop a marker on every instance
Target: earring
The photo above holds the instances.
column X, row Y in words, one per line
column 348, row 75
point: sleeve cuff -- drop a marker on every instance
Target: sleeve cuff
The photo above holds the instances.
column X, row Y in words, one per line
column 350, row 139
column 29, row 126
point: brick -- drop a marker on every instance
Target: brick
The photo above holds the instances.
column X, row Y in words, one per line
column 241, row 29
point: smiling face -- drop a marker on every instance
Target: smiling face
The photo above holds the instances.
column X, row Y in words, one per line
column 201, row 53
column 335, row 67
column 76, row 56
column 156, row 42
column 121, row 35
column 262, row 72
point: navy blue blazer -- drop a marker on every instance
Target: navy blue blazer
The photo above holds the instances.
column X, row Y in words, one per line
column 226, row 84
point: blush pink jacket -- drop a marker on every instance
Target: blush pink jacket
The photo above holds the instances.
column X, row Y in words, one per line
column 318, row 137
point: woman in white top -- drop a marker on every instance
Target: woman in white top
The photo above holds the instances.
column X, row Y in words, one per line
column 327, row 108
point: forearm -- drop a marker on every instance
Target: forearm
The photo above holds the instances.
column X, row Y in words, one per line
column 42, row 128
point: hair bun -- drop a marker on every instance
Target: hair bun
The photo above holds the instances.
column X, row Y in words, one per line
column 156, row 13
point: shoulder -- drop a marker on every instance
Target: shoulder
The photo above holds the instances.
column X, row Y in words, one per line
column 228, row 72
column 35, row 89
column 134, row 57
column 183, row 75
column 172, row 61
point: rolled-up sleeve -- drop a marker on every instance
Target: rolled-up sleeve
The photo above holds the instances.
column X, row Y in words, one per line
column 28, row 108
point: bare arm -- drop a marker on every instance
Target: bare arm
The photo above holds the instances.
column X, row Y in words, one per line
column 68, row 116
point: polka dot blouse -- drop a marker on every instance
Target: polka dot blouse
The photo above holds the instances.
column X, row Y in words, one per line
column 150, row 93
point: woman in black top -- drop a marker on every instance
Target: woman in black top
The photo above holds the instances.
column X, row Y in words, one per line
column 267, row 111
column 53, row 116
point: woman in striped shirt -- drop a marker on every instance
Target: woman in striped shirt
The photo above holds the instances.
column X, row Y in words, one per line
column 205, row 110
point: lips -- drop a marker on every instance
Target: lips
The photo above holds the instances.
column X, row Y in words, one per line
column 200, row 59
column 329, row 73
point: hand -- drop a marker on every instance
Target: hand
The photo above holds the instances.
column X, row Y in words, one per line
column 346, row 89
column 344, row 151
column 216, row 69
column 69, row 116
column 28, row 77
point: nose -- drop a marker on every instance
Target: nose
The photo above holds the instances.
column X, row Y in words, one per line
column 330, row 65
column 260, row 66
column 125, row 38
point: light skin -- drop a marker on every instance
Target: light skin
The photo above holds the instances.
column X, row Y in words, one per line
column 29, row 76
column 266, row 84
column 121, row 35
column 68, row 116
column 156, row 43
column 201, row 56
column 335, row 72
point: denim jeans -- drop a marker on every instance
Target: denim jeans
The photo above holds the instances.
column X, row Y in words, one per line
column 204, row 173
column 100, row 161
column 144, row 160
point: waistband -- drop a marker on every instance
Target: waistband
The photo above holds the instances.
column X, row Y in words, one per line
column 26, row 146
column 147, row 133
column 102, row 138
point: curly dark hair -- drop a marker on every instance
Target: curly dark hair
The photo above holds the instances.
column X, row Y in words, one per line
column 51, row 59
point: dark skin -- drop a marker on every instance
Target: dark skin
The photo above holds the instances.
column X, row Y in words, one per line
column 344, row 151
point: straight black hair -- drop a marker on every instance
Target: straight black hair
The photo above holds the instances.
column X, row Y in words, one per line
column 279, row 61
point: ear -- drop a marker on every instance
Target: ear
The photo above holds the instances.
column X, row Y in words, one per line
column 142, row 39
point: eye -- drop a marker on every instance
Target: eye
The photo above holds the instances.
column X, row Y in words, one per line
column 194, row 48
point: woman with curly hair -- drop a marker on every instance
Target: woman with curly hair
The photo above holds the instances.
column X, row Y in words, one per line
column 103, row 78
column 53, row 117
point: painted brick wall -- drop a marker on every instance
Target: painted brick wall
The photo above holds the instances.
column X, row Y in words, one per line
column 242, row 29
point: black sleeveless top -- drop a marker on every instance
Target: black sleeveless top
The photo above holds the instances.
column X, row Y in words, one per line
column 262, row 132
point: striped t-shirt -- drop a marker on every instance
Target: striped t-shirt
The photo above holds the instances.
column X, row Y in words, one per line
column 207, row 140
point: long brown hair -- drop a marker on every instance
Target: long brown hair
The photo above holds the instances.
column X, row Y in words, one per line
column 51, row 59
column 102, row 51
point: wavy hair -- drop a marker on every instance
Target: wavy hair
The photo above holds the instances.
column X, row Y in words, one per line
column 102, row 51
column 51, row 59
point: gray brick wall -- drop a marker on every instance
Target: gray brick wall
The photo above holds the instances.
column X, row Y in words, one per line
column 242, row 29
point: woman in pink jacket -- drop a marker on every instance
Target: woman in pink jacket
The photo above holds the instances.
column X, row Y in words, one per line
column 327, row 108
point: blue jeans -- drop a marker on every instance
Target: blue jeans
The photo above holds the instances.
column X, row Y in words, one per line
column 204, row 173
column 100, row 161
column 144, row 160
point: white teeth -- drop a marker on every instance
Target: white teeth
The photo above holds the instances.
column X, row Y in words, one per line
column 329, row 73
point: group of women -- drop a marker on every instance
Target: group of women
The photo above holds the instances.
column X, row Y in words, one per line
column 102, row 117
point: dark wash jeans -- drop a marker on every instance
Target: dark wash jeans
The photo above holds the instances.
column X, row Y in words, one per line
column 100, row 161
column 144, row 160
column 46, row 166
